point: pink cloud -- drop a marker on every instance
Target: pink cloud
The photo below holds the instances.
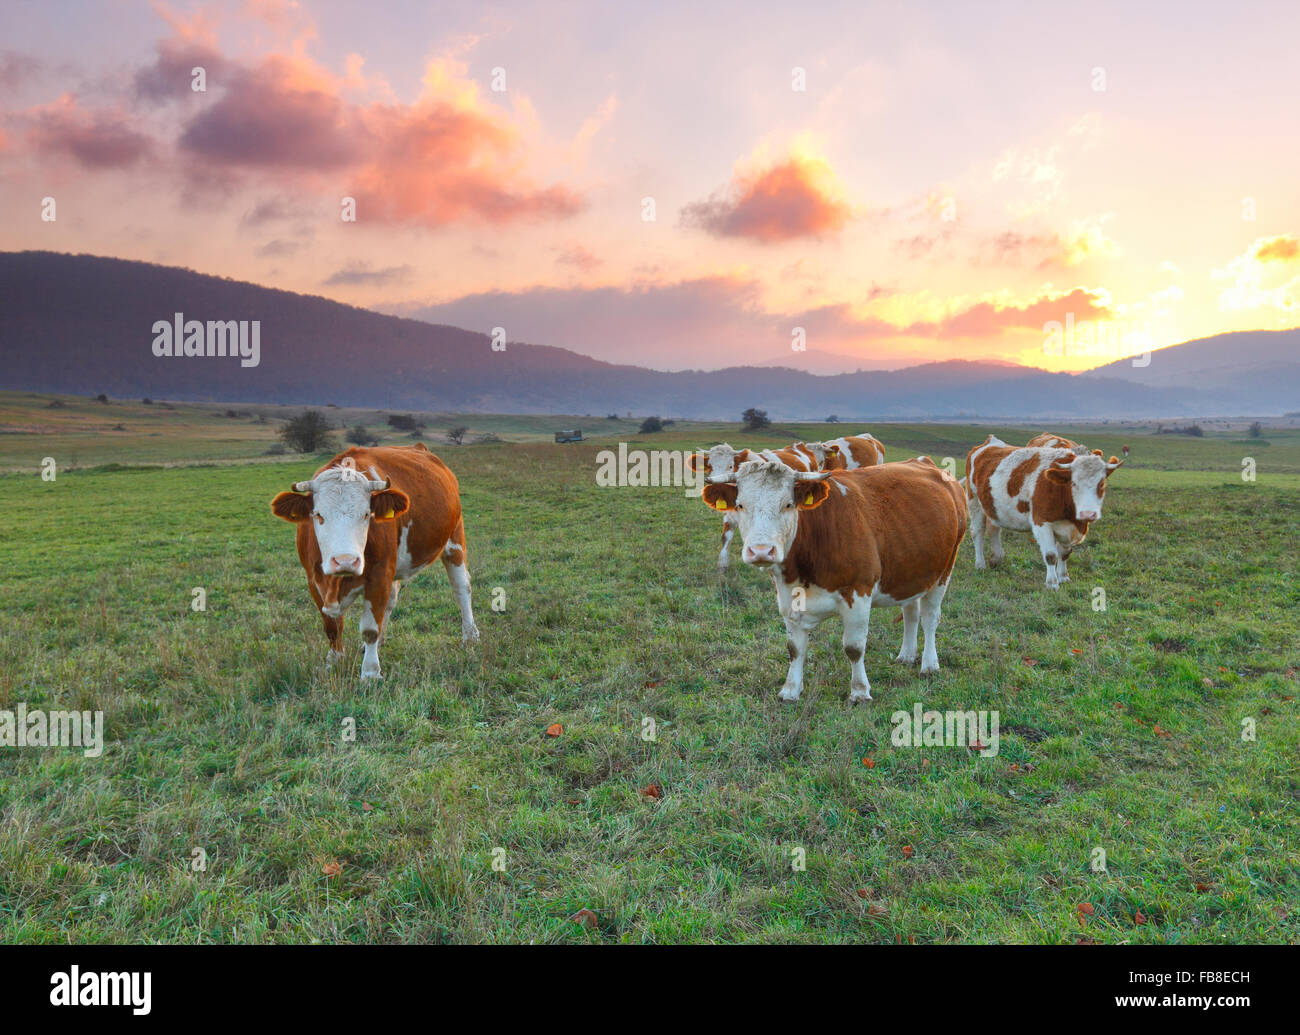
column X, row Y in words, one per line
column 95, row 139
column 781, row 202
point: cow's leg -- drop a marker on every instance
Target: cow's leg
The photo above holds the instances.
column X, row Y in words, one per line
column 978, row 530
column 1046, row 539
column 857, row 617
column 796, row 645
column 374, row 619
column 996, row 553
column 728, row 530
column 333, row 627
column 911, row 621
column 931, row 603
column 456, row 561
column 394, row 592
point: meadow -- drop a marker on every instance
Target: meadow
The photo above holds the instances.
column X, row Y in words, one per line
column 461, row 813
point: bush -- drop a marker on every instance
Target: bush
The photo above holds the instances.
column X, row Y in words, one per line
column 1257, row 430
column 309, row 432
column 404, row 422
column 755, row 419
column 651, row 424
column 457, row 434
column 360, row 436
column 275, row 449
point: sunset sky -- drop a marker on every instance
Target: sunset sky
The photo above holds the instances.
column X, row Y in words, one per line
column 951, row 177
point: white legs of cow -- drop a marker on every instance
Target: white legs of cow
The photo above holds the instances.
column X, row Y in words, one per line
column 458, row 574
column 728, row 531
column 920, row 614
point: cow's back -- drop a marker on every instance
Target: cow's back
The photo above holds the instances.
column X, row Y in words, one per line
column 895, row 528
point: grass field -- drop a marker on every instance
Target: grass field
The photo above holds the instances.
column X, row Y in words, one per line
column 1121, row 729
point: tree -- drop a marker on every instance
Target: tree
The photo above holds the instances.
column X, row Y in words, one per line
column 457, row 434
column 1257, row 430
column 755, row 419
column 309, row 432
column 360, row 436
column 404, row 422
column 651, row 424
column 832, row 419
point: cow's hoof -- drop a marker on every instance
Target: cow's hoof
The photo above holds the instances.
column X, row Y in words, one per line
column 332, row 658
column 929, row 668
column 995, row 561
column 906, row 659
column 376, row 674
column 981, row 567
column 789, row 695
column 859, row 696
column 469, row 635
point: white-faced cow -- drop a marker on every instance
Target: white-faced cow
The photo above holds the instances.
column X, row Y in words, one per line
column 1054, row 493
column 848, row 453
column 839, row 542
column 368, row 521
column 719, row 464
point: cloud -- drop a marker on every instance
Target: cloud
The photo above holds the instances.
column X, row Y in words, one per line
column 719, row 321
column 1282, row 248
column 797, row 197
column 989, row 319
column 16, row 70
column 579, row 257
column 95, row 139
column 360, row 275
column 1260, row 280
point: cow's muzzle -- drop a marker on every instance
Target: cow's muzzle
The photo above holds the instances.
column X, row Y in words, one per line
column 343, row 564
column 760, row 554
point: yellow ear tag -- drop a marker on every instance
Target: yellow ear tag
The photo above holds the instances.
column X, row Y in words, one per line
column 721, row 504
column 808, row 500
column 387, row 514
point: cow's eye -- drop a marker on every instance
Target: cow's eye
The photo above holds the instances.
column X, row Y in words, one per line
column 740, row 506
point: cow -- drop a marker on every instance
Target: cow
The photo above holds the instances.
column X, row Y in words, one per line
column 843, row 541
column 1051, row 441
column 848, row 453
column 369, row 520
column 1055, row 493
column 720, row 462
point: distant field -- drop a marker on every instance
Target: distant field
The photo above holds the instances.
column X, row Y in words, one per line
column 1121, row 729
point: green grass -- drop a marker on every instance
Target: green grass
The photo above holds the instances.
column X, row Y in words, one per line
column 223, row 729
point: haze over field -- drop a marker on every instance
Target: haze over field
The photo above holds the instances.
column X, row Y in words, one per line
column 688, row 186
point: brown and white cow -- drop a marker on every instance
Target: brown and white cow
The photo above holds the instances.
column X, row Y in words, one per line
column 719, row 463
column 1054, row 493
column 1046, row 439
column 841, row 542
column 369, row 520
column 848, row 453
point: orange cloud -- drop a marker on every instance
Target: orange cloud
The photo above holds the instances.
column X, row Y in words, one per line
column 988, row 319
column 1282, row 248
column 794, row 198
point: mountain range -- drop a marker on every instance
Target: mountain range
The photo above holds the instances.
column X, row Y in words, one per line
column 84, row 324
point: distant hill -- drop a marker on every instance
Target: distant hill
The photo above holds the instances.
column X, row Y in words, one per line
column 1247, row 371
column 83, row 324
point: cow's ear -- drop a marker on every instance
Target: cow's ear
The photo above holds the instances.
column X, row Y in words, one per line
column 388, row 503
column 1060, row 475
column 698, row 462
column 292, row 506
column 1114, row 463
column 740, row 458
column 811, row 495
column 719, row 496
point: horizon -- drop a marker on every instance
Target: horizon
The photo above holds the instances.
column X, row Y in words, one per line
column 497, row 188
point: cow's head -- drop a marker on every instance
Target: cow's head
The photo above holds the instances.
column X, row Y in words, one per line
column 1085, row 473
column 340, row 503
column 767, row 498
column 830, row 457
column 718, row 463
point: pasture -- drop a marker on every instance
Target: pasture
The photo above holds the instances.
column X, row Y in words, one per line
column 1121, row 729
